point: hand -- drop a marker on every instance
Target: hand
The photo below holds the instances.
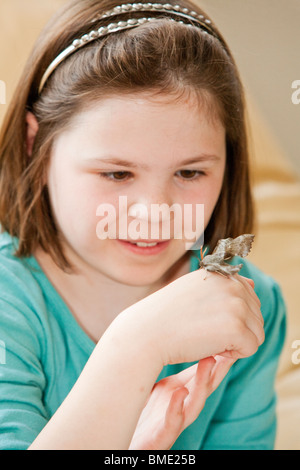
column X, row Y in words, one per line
column 200, row 315
column 176, row 401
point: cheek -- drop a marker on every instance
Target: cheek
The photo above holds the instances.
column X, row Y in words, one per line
column 73, row 201
column 76, row 202
column 207, row 194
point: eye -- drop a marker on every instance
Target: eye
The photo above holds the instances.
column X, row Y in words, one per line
column 190, row 174
column 116, row 175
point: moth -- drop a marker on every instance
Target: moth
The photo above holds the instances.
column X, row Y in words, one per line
column 226, row 249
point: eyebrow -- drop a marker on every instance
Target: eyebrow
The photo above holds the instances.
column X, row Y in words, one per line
column 204, row 157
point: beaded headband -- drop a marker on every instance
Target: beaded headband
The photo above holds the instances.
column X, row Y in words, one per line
column 174, row 10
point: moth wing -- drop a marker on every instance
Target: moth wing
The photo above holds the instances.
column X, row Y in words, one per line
column 241, row 245
column 229, row 247
column 213, row 259
column 222, row 248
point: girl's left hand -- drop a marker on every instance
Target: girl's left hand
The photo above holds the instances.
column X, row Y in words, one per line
column 176, row 401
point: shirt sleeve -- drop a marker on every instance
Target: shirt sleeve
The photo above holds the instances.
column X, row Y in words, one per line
column 246, row 416
column 22, row 381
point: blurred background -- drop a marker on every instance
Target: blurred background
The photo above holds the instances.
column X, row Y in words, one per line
column 264, row 36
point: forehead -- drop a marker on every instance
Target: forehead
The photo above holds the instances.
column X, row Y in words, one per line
column 131, row 123
column 201, row 104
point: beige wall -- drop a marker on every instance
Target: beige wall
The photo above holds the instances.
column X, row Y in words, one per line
column 263, row 34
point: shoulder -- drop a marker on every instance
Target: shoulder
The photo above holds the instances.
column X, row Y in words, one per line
column 16, row 274
column 22, row 304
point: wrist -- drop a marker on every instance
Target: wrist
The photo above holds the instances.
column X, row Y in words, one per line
column 133, row 335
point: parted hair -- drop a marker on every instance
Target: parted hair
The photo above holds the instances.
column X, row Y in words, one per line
column 165, row 57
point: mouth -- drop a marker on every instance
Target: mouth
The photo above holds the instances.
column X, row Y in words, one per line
column 145, row 247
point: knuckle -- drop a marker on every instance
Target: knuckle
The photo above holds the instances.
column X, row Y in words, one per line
column 238, row 305
column 254, row 349
column 238, row 327
column 235, row 288
column 252, row 346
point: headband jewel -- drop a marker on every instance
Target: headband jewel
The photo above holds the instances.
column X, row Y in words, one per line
column 175, row 10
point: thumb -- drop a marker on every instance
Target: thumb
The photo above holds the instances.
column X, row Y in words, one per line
column 250, row 281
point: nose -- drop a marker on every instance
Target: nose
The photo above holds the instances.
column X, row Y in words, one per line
column 153, row 213
column 153, row 205
column 151, row 208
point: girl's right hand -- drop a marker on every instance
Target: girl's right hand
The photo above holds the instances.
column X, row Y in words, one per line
column 200, row 315
column 176, row 401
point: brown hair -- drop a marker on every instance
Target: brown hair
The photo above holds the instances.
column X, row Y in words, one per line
column 163, row 56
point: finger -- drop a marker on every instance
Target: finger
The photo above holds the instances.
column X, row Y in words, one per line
column 251, row 337
column 199, row 390
column 204, row 369
column 247, row 283
column 220, row 370
column 171, row 426
column 174, row 418
column 183, row 377
column 250, row 281
column 175, row 407
column 256, row 312
column 249, row 286
column 256, row 326
column 200, row 369
column 251, row 298
column 251, row 342
column 254, row 318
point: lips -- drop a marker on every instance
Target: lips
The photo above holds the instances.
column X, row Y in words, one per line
column 145, row 247
column 145, row 243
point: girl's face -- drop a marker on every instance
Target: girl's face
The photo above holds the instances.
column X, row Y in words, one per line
column 135, row 147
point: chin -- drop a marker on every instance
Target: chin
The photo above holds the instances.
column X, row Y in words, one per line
column 138, row 277
column 151, row 275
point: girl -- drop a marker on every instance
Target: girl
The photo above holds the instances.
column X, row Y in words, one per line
column 110, row 344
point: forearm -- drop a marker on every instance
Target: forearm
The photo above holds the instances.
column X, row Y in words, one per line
column 103, row 408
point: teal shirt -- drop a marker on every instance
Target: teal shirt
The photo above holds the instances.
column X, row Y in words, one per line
column 43, row 351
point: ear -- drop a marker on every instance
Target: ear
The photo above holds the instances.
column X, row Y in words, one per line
column 32, row 128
